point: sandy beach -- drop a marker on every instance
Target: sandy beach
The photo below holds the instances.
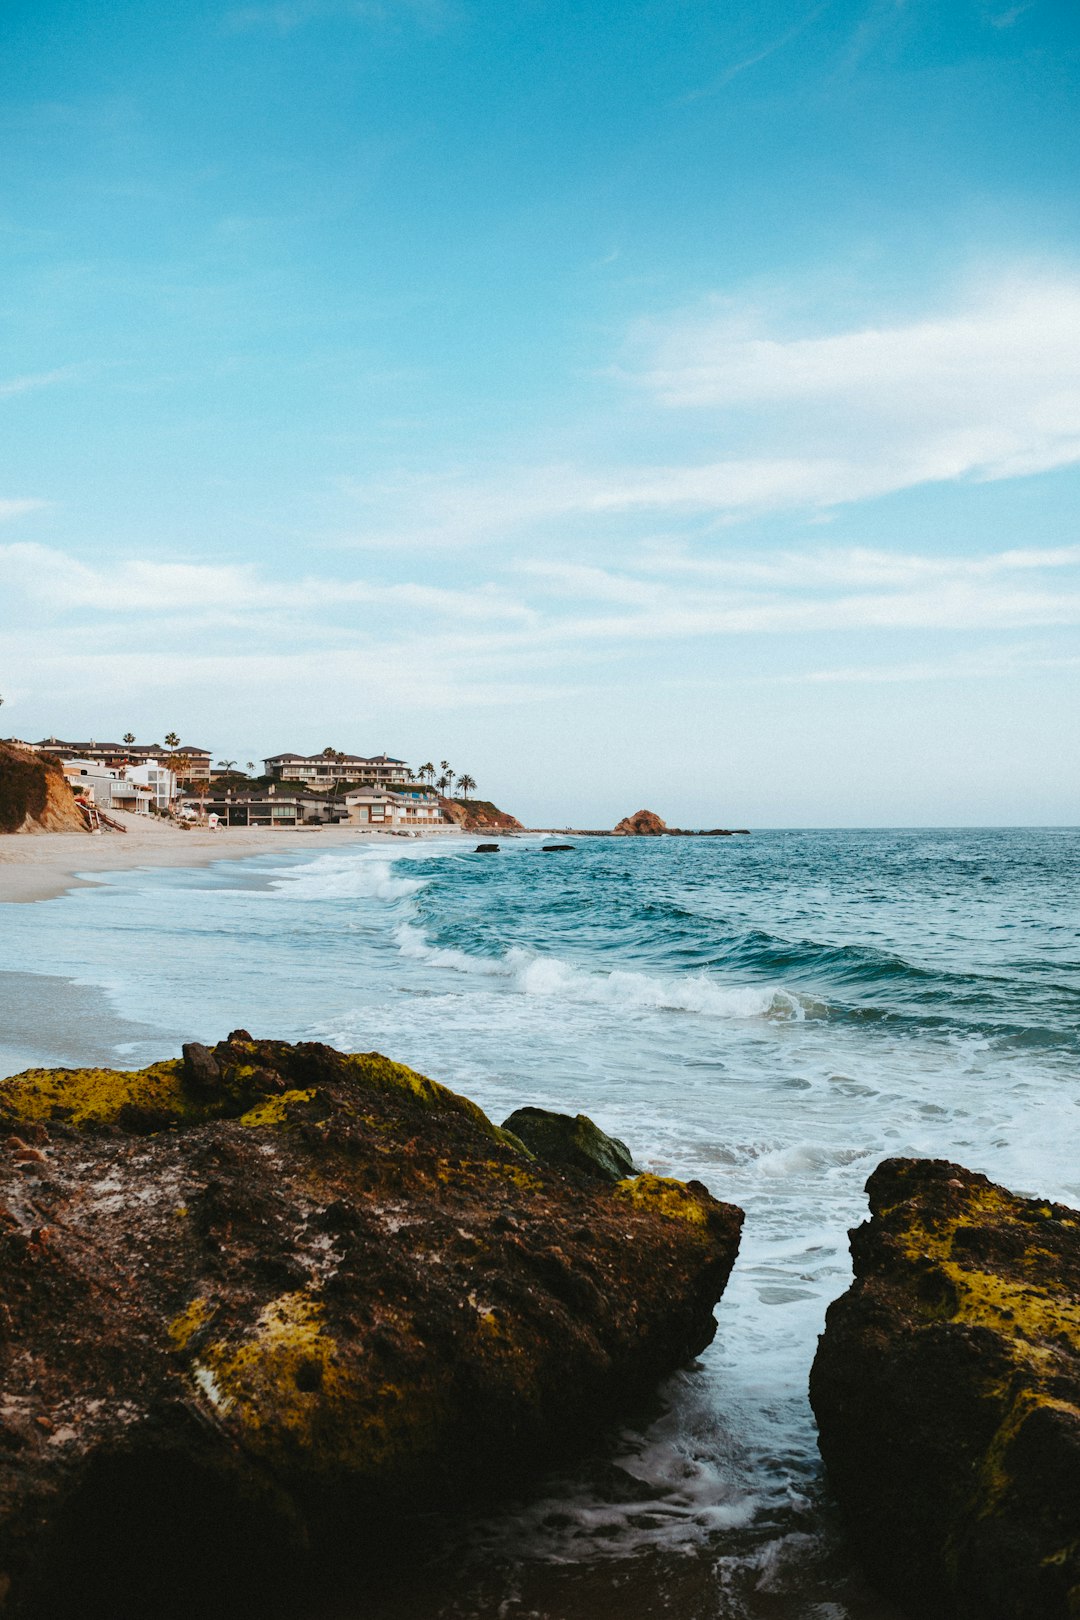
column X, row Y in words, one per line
column 40, row 866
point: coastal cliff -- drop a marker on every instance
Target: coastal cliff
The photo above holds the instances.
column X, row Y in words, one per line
column 34, row 794
column 264, row 1304
column 479, row 815
column 947, row 1392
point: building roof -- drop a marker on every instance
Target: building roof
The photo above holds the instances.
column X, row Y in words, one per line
column 321, row 759
column 55, row 744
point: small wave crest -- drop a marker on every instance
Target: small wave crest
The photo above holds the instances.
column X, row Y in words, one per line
column 553, row 978
column 334, row 877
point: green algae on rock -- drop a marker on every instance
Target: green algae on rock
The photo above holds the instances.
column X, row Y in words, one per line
column 267, row 1299
column 573, row 1140
column 947, row 1392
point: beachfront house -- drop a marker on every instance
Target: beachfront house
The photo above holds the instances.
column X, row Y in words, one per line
column 108, row 789
column 374, row 807
column 323, row 772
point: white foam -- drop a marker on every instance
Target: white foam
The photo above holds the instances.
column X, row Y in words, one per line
column 552, row 978
column 337, row 877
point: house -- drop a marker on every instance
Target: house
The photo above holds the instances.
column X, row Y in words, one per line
column 373, row 807
column 193, row 763
column 158, row 779
column 264, row 808
column 322, row 771
column 108, row 789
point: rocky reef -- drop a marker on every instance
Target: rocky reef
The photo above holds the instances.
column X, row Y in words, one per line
column 264, row 1306
column 642, row 824
column 947, row 1392
column 34, row 794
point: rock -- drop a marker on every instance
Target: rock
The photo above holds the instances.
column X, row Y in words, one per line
column 200, row 1067
column 487, row 849
column 34, row 793
column 642, row 824
column 947, row 1393
column 555, row 849
column 478, row 815
column 250, row 1329
column 571, row 1143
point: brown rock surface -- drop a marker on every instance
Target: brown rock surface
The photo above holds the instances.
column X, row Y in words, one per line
column 479, row 815
column 642, row 824
column 34, row 794
column 947, row 1393
column 263, row 1305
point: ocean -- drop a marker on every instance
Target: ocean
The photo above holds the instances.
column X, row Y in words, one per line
column 772, row 1015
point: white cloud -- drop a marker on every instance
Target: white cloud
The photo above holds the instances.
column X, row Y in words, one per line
column 989, row 390
column 61, row 583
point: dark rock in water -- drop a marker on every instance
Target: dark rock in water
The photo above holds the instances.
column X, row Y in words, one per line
column 555, row 849
column 947, row 1393
column 252, row 1324
column 574, row 1143
column 486, row 849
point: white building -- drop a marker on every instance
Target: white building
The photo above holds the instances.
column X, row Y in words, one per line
column 158, row 779
column 108, row 789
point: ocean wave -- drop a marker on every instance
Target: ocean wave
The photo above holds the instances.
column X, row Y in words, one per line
column 551, row 977
column 336, row 877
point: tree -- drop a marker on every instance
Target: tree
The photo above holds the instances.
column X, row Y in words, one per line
column 448, row 775
column 442, row 784
column 129, row 737
column 226, row 764
column 251, row 765
column 466, row 785
column 172, row 740
column 333, row 756
column 426, row 773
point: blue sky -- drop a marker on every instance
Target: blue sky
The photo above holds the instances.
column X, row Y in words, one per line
column 671, row 404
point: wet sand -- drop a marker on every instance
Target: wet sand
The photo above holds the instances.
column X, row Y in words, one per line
column 40, row 866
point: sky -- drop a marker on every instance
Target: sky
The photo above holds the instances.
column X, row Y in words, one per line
column 667, row 404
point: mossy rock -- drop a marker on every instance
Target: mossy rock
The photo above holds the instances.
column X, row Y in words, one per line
column 572, row 1142
column 947, row 1392
column 278, row 1300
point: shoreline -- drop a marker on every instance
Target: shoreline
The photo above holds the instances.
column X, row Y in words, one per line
column 43, row 866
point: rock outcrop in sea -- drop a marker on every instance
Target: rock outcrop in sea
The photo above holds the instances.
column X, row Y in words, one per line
column 34, row 794
column 642, row 824
column 947, row 1394
column 264, row 1306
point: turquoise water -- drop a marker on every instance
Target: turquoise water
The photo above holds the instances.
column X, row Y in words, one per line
column 773, row 1015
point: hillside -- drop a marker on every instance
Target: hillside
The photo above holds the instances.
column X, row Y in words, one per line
column 479, row 815
column 34, row 795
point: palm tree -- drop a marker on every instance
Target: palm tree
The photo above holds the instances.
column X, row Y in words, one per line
column 426, row 773
column 442, row 784
column 226, row 764
column 129, row 737
column 466, row 785
column 444, row 766
column 172, row 740
column 250, row 766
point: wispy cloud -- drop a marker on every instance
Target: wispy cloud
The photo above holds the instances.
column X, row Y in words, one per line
column 41, row 379
column 761, row 54
column 537, row 607
column 286, row 16
column 17, row 509
column 784, row 419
